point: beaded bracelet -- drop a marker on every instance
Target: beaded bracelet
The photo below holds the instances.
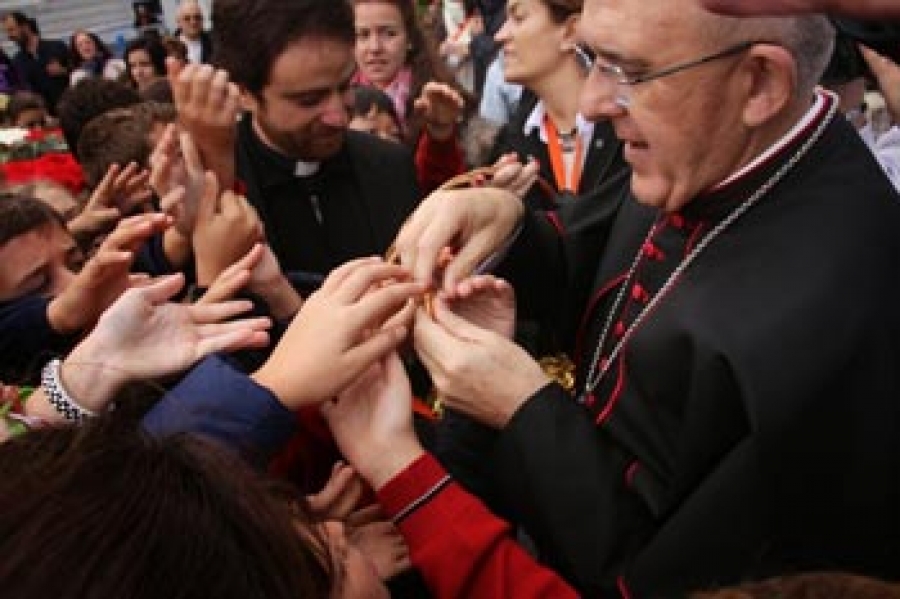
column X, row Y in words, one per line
column 58, row 397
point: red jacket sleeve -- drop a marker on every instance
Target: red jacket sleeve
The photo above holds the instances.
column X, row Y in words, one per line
column 437, row 161
column 462, row 549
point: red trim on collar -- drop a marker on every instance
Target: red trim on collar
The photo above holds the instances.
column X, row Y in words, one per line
column 694, row 238
column 624, row 591
column 783, row 145
column 553, row 217
column 616, row 394
column 631, row 472
column 589, row 311
column 592, row 303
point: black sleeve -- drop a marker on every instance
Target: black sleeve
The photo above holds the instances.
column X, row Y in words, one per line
column 535, row 266
column 558, row 478
column 151, row 259
column 552, row 262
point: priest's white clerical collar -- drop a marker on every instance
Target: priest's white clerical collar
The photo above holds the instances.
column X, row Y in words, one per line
column 306, row 169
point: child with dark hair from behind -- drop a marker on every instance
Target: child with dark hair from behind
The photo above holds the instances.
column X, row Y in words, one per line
column 372, row 111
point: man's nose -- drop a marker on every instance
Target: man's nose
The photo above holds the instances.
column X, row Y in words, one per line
column 600, row 98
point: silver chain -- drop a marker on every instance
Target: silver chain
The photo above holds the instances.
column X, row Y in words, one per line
column 596, row 373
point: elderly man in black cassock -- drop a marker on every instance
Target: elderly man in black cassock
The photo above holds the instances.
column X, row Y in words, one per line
column 733, row 320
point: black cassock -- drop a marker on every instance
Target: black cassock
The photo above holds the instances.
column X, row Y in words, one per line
column 751, row 423
column 352, row 207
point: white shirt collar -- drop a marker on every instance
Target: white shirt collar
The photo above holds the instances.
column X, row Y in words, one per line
column 194, row 48
column 536, row 120
column 306, row 169
column 815, row 111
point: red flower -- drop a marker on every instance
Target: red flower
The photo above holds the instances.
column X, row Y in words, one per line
column 53, row 135
column 58, row 167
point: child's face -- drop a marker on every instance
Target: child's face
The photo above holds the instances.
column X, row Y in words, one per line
column 34, row 118
column 85, row 46
column 377, row 123
column 141, row 68
column 42, row 262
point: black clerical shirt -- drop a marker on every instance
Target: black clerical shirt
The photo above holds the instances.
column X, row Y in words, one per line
column 351, row 207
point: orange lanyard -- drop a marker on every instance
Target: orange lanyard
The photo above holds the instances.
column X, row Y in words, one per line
column 564, row 181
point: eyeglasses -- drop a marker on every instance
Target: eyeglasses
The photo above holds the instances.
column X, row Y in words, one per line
column 192, row 17
column 624, row 82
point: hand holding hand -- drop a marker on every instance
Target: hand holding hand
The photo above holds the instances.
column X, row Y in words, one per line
column 473, row 223
column 479, row 372
column 486, row 302
column 339, row 332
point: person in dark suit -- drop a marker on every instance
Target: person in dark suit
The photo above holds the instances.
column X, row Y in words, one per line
column 42, row 64
column 540, row 52
column 736, row 338
column 325, row 194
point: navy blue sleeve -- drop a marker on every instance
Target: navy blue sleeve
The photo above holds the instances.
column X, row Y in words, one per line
column 217, row 401
column 151, row 258
column 27, row 340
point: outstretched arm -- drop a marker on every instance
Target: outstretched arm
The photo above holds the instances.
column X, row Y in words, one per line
column 461, row 548
column 144, row 336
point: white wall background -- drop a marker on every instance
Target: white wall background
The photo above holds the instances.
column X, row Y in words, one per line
column 112, row 20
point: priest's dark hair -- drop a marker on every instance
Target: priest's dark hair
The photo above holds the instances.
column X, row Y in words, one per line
column 248, row 37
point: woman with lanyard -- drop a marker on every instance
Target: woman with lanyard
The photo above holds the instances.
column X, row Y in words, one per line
column 540, row 52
